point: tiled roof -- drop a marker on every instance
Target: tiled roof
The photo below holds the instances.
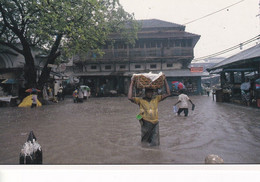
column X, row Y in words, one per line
column 180, row 34
column 155, row 23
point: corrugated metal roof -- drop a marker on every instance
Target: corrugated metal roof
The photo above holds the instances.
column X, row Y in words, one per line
column 247, row 54
column 184, row 73
column 175, row 73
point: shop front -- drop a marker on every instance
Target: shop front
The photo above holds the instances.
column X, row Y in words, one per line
column 239, row 77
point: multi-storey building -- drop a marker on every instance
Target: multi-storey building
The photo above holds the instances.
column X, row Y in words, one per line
column 161, row 47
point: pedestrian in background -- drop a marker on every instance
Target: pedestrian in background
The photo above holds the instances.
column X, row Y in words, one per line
column 208, row 90
column 80, row 95
column 75, row 96
column 245, row 91
column 50, row 94
column 60, row 93
column 183, row 100
column 34, row 99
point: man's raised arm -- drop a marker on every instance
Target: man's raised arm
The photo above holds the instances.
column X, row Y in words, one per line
column 130, row 90
column 168, row 92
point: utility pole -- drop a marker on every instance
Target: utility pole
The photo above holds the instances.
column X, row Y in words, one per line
column 259, row 22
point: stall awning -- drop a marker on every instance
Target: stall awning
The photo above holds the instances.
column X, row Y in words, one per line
column 9, row 81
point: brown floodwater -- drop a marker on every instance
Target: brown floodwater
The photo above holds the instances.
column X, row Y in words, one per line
column 106, row 131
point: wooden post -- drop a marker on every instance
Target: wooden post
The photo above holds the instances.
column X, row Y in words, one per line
column 31, row 152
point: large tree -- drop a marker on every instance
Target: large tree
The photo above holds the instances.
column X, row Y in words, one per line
column 59, row 27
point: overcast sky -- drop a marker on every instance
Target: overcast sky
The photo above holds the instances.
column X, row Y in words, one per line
column 219, row 31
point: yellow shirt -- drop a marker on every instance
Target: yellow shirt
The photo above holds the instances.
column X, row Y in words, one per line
column 149, row 110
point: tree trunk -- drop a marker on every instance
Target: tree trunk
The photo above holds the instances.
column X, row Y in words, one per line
column 29, row 67
column 50, row 60
column 46, row 71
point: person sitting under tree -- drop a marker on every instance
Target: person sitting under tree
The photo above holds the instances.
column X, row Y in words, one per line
column 148, row 116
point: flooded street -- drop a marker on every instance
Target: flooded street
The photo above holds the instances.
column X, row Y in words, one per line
column 105, row 131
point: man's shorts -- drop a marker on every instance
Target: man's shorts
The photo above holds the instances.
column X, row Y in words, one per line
column 186, row 111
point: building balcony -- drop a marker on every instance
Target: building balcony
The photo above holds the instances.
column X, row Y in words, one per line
column 123, row 55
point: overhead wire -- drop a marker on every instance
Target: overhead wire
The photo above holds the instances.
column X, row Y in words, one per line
column 213, row 12
column 229, row 49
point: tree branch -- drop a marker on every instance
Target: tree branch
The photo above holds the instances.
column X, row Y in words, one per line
column 3, row 30
column 12, row 47
column 22, row 15
column 14, row 29
column 55, row 45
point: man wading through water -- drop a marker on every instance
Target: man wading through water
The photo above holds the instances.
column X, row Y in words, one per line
column 149, row 113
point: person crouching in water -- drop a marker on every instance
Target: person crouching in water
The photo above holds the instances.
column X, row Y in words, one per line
column 149, row 113
column 183, row 100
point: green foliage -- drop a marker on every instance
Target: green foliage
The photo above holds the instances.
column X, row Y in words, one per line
column 83, row 24
column 61, row 27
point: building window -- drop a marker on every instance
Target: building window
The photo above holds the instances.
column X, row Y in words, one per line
column 153, row 66
column 159, row 43
column 120, row 45
column 164, row 43
column 93, row 67
column 183, row 43
column 130, row 46
column 148, row 44
column 122, row 67
column 104, row 46
column 108, row 67
column 151, row 52
column 177, row 43
column 153, row 44
column 133, row 53
column 141, row 44
column 189, row 43
column 171, row 43
column 169, row 65
column 137, row 66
